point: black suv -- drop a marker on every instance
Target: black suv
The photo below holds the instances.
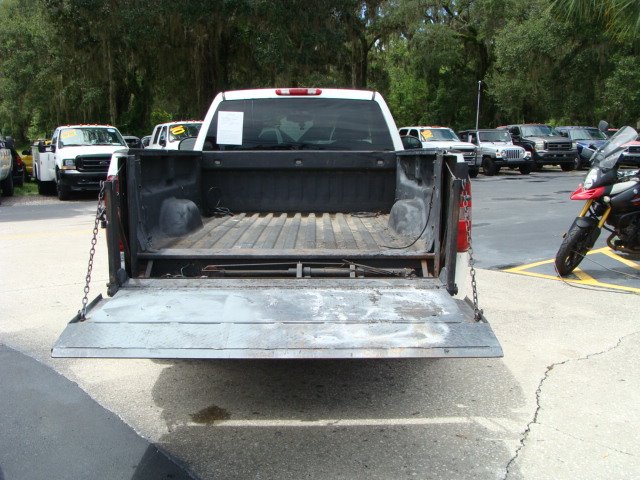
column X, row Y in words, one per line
column 545, row 146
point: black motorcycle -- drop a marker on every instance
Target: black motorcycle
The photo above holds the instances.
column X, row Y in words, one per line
column 612, row 203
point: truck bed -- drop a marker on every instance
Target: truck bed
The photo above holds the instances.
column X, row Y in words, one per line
column 329, row 233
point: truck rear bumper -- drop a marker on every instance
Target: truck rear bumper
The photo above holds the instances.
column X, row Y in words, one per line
column 303, row 318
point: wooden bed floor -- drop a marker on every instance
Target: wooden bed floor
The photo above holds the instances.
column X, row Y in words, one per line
column 300, row 231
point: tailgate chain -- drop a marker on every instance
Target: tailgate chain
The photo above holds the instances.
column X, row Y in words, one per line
column 100, row 216
column 477, row 312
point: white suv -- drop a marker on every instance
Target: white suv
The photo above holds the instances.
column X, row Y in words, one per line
column 446, row 139
column 168, row 135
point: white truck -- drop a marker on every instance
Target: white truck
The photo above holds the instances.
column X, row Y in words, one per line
column 295, row 226
column 168, row 136
column 446, row 139
column 76, row 159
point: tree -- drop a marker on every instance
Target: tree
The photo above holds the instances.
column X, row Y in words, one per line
column 621, row 18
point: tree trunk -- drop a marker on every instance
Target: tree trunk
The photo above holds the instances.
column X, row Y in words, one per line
column 113, row 113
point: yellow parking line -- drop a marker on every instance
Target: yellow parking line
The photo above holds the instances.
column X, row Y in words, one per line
column 585, row 280
column 605, row 250
column 584, row 277
column 528, row 266
column 628, row 263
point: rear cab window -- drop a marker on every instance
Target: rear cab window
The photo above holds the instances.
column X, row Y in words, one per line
column 298, row 123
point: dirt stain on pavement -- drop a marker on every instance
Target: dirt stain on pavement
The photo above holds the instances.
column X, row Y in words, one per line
column 210, row 415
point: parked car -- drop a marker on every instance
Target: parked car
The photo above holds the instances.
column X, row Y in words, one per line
column 630, row 157
column 133, row 141
column 497, row 150
column 17, row 168
column 27, row 159
column 546, row 146
column 581, row 137
column 6, row 178
column 168, row 135
column 445, row 138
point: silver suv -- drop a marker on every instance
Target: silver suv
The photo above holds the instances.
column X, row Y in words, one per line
column 497, row 150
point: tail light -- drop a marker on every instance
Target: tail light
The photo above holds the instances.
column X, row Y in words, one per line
column 464, row 223
column 298, row 91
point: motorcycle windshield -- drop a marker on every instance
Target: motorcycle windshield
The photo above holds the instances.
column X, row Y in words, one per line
column 606, row 157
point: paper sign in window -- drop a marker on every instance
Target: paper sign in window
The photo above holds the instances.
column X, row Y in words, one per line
column 230, row 128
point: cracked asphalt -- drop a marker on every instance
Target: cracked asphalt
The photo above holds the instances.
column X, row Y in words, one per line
column 584, row 413
column 562, row 403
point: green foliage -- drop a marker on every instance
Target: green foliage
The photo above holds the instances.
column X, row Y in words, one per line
column 142, row 62
column 160, row 116
column 621, row 104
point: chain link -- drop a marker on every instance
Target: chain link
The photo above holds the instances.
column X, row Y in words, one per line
column 100, row 216
column 466, row 211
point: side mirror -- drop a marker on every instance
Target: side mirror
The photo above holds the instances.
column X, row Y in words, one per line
column 41, row 147
column 411, row 143
column 187, row 143
column 603, row 125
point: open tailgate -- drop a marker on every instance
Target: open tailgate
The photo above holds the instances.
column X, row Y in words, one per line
column 302, row 318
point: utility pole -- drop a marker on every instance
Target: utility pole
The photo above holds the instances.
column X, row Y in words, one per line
column 478, row 106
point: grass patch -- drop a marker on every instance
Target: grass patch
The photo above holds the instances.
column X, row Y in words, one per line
column 27, row 190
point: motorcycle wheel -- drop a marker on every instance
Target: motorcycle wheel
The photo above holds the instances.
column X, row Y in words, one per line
column 577, row 242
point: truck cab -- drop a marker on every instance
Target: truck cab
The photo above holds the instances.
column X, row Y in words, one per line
column 497, row 151
column 168, row 136
column 446, row 139
column 76, row 159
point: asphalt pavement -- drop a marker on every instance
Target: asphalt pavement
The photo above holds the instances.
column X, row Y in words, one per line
column 51, row 429
column 562, row 403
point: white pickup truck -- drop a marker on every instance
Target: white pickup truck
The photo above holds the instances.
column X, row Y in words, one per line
column 168, row 136
column 446, row 139
column 295, row 226
column 76, row 160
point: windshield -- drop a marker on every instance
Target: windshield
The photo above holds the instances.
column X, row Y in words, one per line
column 586, row 134
column 494, row 136
column 183, row 130
column 606, row 157
column 438, row 134
column 537, row 131
column 298, row 123
column 82, row 136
